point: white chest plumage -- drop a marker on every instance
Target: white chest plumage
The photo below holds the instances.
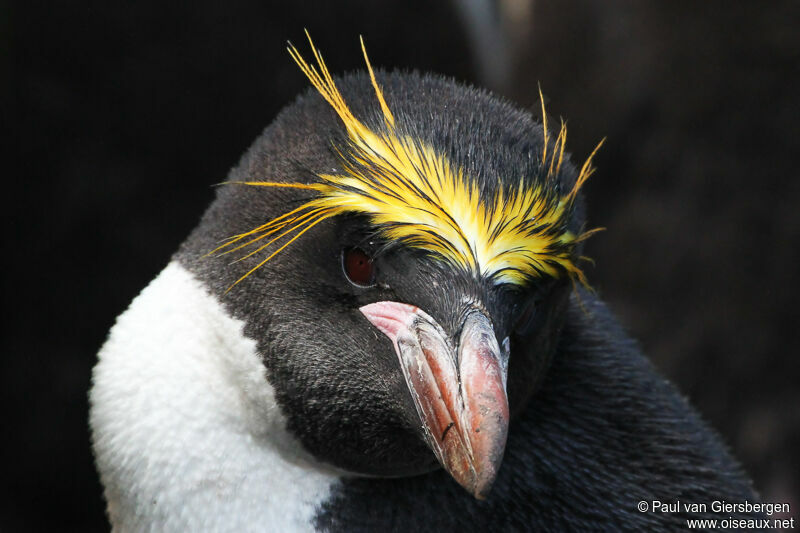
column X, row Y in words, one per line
column 187, row 433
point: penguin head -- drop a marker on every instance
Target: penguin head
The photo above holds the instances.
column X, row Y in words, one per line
column 402, row 249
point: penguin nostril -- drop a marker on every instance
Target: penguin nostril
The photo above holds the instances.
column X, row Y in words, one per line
column 358, row 267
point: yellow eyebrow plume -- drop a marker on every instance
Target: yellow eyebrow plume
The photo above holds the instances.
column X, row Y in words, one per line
column 413, row 194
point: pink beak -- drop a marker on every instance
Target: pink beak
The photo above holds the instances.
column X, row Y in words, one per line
column 459, row 393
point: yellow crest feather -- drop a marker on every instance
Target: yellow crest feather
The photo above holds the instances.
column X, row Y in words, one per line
column 415, row 195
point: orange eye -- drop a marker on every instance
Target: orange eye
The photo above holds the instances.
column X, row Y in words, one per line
column 358, row 267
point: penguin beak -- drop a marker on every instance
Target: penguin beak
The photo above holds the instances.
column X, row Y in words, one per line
column 459, row 392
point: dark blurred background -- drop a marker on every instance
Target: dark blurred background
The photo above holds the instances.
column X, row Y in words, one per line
column 120, row 117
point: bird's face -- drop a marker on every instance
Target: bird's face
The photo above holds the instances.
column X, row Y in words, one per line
column 426, row 353
column 420, row 304
column 387, row 361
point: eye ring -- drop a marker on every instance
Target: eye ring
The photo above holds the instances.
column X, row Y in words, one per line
column 358, row 267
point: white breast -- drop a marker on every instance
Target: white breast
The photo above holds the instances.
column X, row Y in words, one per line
column 187, row 433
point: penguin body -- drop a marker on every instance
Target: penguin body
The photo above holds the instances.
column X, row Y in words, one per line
column 282, row 394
